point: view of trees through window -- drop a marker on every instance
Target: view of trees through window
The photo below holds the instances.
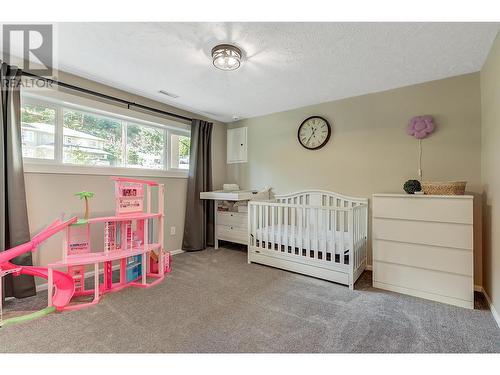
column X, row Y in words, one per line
column 37, row 131
column 145, row 146
column 180, row 149
column 95, row 140
column 184, row 149
column 91, row 140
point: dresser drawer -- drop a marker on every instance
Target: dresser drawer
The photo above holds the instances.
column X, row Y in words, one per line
column 232, row 233
column 435, row 258
column 446, row 209
column 235, row 219
column 416, row 279
column 424, row 232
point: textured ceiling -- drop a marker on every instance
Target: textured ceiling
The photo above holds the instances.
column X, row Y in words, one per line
column 286, row 65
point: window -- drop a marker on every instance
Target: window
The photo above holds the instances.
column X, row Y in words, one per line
column 38, row 131
column 60, row 134
column 91, row 140
column 180, row 147
column 145, row 147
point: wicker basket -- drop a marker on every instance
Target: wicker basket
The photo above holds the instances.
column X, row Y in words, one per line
column 444, row 188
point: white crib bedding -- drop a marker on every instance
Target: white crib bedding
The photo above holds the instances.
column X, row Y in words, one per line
column 333, row 238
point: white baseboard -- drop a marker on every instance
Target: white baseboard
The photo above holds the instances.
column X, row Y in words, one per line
column 44, row 286
column 369, row 267
column 494, row 312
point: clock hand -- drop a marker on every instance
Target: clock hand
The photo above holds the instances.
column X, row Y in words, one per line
column 312, row 135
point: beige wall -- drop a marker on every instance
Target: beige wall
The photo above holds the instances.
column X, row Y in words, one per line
column 50, row 194
column 490, row 101
column 369, row 150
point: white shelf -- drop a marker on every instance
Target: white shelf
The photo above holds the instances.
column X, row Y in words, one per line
column 222, row 195
column 420, row 196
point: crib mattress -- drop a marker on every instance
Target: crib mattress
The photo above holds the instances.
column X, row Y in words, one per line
column 333, row 238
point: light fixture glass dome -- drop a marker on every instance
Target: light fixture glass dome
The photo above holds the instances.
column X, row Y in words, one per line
column 226, row 57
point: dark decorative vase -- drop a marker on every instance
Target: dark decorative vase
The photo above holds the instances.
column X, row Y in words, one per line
column 411, row 186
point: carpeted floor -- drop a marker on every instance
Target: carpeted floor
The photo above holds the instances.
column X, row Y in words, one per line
column 213, row 301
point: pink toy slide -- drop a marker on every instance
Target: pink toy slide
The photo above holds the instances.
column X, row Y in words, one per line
column 63, row 282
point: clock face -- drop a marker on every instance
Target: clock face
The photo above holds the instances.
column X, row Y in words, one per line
column 314, row 133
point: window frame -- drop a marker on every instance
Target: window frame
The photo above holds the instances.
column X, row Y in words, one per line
column 56, row 165
column 169, row 134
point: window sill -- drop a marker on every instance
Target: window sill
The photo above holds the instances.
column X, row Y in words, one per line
column 101, row 171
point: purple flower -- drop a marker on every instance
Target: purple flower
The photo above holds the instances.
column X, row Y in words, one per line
column 420, row 126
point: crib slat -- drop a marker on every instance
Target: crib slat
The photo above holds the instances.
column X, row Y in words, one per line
column 292, row 219
column 316, row 233
column 308, row 231
column 335, row 235
column 341, row 230
column 256, row 223
column 280, row 225
column 251, row 219
column 349, row 238
column 365, row 231
column 360, row 232
column 266, row 225
column 286, row 240
column 301, row 223
column 325, row 231
column 259, row 212
column 331, row 234
column 273, row 209
column 356, row 237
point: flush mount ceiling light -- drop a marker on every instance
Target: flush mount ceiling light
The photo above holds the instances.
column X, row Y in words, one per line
column 226, row 57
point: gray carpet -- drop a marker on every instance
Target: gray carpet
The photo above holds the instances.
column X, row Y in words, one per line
column 213, row 301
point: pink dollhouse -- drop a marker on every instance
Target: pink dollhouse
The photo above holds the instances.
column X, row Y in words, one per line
column 132, row 239
column 131, row 253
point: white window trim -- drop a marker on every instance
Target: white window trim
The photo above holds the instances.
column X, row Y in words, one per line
column 35, row 165
column 169, row 133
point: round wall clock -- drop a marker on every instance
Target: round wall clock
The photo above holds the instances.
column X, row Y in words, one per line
column 314, row 132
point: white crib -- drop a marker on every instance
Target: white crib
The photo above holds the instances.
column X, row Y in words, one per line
column 317, row 233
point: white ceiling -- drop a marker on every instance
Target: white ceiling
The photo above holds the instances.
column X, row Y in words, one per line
column 286, row 65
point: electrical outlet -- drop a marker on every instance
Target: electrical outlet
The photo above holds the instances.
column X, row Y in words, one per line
column 172, row 231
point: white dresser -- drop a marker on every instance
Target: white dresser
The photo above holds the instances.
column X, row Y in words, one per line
column 423, row 246
column 230, row 225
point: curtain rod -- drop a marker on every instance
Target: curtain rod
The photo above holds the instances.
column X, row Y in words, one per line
column 108, row 97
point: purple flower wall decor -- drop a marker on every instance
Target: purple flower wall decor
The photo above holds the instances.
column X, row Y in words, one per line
column 421, row 126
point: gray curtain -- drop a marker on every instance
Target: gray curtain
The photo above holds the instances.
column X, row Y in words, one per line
column 199, row 222
column 14, row 229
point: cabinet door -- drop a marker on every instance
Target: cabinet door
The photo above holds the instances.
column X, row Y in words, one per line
column 237, row 145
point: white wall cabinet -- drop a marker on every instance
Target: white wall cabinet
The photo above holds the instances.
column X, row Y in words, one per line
column 237, row 145
column 423, row 246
